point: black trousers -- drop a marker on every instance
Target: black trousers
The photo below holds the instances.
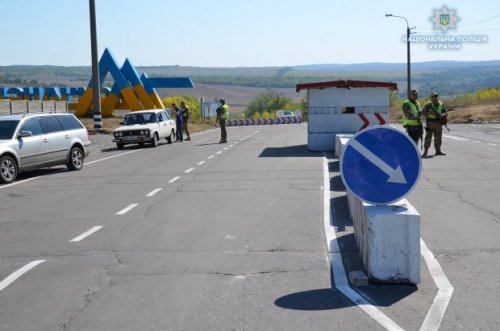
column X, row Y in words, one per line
column 415, row 132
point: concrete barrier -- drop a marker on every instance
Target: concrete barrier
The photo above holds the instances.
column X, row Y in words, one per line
column 388, row 236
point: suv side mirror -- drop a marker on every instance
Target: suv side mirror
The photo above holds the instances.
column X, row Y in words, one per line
column 23, row 134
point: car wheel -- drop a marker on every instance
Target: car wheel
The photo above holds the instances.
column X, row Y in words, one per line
column 8, row 169
column 75, row 161
column 171, row 138
column 119, row 146
column 154, row 141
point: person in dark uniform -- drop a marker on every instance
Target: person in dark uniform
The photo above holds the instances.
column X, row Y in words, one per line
column 435, row 114
column 178, row 122
column 186, row 113
column 223, row 115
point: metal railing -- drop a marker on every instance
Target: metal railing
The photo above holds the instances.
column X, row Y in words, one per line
column 11, row 107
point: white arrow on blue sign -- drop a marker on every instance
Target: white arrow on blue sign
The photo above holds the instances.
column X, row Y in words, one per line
column 380, row 165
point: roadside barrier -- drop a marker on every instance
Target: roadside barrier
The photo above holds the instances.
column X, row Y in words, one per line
column 8, row 107
column 388, row 236
column 264, row 121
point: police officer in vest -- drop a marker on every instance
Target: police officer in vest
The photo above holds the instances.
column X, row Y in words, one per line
column 412, row 117
column 435, row 115
column 223, row 115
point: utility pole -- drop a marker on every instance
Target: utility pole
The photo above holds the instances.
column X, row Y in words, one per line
column 96, row 86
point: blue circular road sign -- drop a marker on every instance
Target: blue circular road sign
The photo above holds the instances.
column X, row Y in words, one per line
column 380, row 165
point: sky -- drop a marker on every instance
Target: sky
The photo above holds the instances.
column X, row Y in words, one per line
column 233, row 33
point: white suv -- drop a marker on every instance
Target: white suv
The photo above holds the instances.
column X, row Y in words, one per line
column 32, row 141
column 145, row 126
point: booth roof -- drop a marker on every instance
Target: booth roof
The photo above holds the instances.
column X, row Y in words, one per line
column 346, row 84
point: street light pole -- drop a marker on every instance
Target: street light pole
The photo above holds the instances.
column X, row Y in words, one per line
column 96, row 88
column 408, row 69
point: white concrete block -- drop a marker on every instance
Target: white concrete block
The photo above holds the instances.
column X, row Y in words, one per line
column 341, row 140
column 391, row 243
column 321, row 142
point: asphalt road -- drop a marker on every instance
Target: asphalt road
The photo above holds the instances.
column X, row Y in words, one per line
column 205, row 236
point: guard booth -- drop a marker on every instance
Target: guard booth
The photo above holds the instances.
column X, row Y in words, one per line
column 343, row 106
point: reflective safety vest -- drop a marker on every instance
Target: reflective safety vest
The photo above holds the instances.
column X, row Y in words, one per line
column 439, row 109
column 225, row 112
column 415, row 110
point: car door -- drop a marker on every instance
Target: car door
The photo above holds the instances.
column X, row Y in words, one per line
column 164, row 128
column 29, row 138
column 56, row 142
column 170, row 124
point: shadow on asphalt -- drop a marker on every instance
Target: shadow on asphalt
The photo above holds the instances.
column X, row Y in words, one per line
column 289, row 151
column 320, row 299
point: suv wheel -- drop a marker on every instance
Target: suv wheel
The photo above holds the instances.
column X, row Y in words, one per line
column 75, row 161
column 8, row 169
column 154, row 141
column 171, row 138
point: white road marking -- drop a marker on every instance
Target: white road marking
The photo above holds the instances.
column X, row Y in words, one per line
column 201, row 162
column 153, row 192
column 127, row 209
column 174, row 179
column 491, row 144
column 188, row 170
column 226, row 148
column 231, row 145
column 477, row 141
column 18, row 182
column 334, row 254
column 12, row 277
column 218, row 152
column 456, row 138
column 438, row 308
column 86, row 233
column 242, row 139
column 486, row 125
column 110, row 157
column 211, row 157
column 236, row 142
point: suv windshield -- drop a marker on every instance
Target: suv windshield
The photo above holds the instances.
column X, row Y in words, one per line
column 7, row 129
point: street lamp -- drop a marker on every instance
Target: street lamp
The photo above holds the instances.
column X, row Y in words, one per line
column 407, row 50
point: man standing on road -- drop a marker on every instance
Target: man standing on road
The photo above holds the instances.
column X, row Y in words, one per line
column 223, row 114
column 178, row 122
column 435, row 115
column 185, row 118
column 412, row 117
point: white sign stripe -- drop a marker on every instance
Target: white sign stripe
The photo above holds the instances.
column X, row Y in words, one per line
column 15, row 275
column 188, row 170
column 201, row 162
column 339, row 274
column 86, row 233
column 127, row 209
column 153, row 192
column 173, row 179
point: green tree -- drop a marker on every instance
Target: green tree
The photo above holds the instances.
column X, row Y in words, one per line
column 191, row 102
column 268, row 102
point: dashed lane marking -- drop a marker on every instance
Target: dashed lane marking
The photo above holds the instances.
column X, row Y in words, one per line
column 218, row 152
column 15, row 275
column 174, row 179
column 201, row 162
column 127, row 209
column 153, row 192
column 86, row 233
column 211, row 157
column 188, row 170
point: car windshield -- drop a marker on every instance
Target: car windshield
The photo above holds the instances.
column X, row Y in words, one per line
column 7, row 129
column 288, row 113
column 142, row 118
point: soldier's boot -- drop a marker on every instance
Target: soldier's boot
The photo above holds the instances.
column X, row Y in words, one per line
column 425, row 152
column 438, row 152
